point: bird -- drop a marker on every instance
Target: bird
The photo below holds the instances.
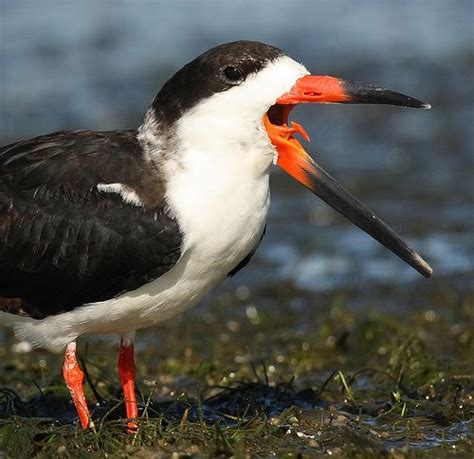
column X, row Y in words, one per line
column 109, row 232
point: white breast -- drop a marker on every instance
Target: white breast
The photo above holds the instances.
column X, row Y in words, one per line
column 222, row 211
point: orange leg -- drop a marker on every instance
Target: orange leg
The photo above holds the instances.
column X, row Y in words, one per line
column 73, row 375
column 126, row 370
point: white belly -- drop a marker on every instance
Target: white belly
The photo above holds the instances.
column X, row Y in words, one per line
column 222, row 225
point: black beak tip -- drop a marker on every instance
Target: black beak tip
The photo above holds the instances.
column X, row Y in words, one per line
column 422, row 266
column 395, row 98
column 361, row 93
column 423, row 106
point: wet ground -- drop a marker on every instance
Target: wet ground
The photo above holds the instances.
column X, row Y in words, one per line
column 265, row 375
column 326, row 343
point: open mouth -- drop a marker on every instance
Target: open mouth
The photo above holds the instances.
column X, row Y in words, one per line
column 278, row 114
column 276, row 119
column 294, row 160
column 291, row 155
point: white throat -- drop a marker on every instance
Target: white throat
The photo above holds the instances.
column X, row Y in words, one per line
column 219, row 180
column 230, row 122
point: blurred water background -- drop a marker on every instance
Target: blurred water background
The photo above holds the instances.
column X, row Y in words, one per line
column 97, row 65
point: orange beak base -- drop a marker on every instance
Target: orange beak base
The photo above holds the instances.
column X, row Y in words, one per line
column 294, row 160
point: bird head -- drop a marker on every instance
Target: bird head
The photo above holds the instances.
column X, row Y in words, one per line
column 238, row 96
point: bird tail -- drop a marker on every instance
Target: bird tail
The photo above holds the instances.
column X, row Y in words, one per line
column 38, row 333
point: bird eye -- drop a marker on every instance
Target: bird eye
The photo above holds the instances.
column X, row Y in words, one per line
column 233, row 74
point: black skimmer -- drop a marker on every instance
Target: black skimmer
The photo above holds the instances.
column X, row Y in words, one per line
column 109, row 232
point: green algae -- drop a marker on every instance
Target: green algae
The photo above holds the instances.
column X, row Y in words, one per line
column 261, row 377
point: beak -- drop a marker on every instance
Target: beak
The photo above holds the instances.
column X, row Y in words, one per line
column 327, row 90
column 294, row 160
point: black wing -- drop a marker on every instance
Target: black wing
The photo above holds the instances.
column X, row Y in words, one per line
column 63, row 242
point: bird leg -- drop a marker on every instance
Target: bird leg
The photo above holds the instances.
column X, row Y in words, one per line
column 126, row 370
column 73, row 375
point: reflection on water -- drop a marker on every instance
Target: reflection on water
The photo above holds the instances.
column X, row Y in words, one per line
column 65, row 65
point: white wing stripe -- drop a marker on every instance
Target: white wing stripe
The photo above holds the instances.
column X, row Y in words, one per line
column 127, row 193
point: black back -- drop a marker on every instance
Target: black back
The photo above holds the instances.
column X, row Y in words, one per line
column 63, row 243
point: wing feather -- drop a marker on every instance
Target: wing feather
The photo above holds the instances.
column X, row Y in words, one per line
column 63, row 242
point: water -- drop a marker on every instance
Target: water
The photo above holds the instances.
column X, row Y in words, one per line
column 98, row 64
